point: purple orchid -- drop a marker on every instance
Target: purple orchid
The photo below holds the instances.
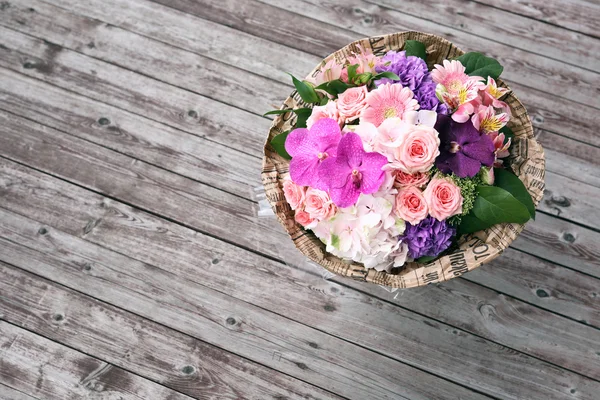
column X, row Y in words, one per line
column 463, row 149
column 352, row 171
column 309, row 148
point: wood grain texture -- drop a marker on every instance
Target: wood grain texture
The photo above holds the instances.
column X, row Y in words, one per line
column 39, row 367
column 9, row 393
column 173, row 65
column 78, row 116
column 504, row 27
column 54, row 150
column 128, row 341
column 214, row 317
column 578, row 15
column 147, row 98
column 401, row 334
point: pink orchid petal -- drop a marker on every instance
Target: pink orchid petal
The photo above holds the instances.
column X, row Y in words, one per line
column 372, row 173
column 346, row 195
column 297, row 142
column 303, row 170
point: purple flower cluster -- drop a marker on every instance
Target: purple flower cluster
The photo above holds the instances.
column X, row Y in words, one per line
column 413, row 73
column 428, row 238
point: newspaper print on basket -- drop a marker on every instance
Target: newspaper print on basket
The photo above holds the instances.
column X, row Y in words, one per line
column 526, row 160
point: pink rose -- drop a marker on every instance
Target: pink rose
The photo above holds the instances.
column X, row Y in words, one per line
column 417, row 150
column 443, row 198
column 411, row 205
column 319, row 205
column 351, row 103
column 418, row 179
column 329, row 110
column 303, row 218
column 294, row 194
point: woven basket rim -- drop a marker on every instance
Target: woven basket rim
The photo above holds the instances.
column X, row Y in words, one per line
column 528, row 160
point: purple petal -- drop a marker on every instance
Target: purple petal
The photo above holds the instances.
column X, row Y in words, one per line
column 346, row 195
column 334, row 173
column 443, row 125
column 325, row 134
column 372, row 174
column 465, row 132
column 464, row 166
column 297, row 142
column 481, row 150
column 351, row 150
column 443, row 162
column 303, row 169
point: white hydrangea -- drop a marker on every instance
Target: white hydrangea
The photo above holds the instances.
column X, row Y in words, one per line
column 366, row 232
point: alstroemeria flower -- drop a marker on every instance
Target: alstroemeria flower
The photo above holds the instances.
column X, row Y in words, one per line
column 352, row 171
column 463, row 149
column 486, row 120
column 330, row 71
column 501, row 147
column 491, row 94
column 309, row 148
column 455, row 88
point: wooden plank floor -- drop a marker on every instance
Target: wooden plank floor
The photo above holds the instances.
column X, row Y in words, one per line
column 132, row 263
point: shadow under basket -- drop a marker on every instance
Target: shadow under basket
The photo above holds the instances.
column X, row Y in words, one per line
column 526, row 160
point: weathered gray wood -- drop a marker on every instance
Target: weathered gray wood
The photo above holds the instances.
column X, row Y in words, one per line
column 400, row 333
column 9, row 393
column 54, row 151
column 173, row 65
column 156, row 100
column 39, row 367
column 125, row 340
column 578, row 15
column 500, row 25
column 133, row 15
column 218, row 318
column 76, row 115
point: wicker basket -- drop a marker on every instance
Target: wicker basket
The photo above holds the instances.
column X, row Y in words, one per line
column 526, row 160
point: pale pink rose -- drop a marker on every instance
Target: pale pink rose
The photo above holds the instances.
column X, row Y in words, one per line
column 418, row 179
column 329, row 110
column 417, row 150
column 351, row 103
column 411, row 205
column 294, row 194
column 303, row 218
column 443, row 198
column 319, row 205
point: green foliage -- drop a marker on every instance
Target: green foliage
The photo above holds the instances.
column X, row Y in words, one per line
column 468, row 190
column 415, row 48
column 476, row 64
column 278, row 144
column 306, row 90
column 495, row 205
column 512, row 184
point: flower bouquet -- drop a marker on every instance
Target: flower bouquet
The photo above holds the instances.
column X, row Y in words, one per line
column 401, row 160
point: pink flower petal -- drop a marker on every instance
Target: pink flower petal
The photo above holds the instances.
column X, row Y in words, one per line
column 297, row 141
column 372, row 174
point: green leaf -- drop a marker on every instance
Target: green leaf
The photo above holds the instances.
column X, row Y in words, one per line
column 415, row 48
column 387, row 74
column 276, row 112
column 326, row 88
column 512, row 184
column 278, row 143
column 470, row 223
column 495, row 205
column 324, row 100
column 352, row 72
column 303, row 114
column 338, row 86
column 476, row 64
column 425, row 259
column 305, row 90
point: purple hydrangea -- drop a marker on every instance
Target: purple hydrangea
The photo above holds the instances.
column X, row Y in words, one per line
column 428, row 238
column 413, row 73
column 427, row 99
